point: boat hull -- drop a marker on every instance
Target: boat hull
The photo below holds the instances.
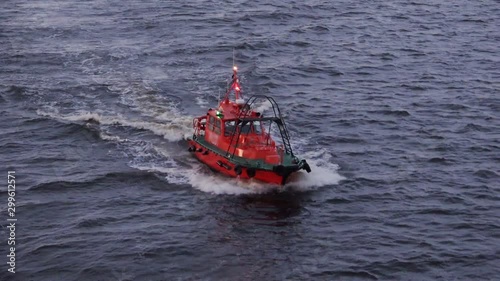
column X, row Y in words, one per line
column 224, row 166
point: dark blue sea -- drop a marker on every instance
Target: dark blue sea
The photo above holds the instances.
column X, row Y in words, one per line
column 395, row 105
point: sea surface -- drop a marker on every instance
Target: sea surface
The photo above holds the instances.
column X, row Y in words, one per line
column 395, row 104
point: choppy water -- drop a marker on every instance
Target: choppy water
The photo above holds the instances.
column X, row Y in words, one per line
column 395, row 103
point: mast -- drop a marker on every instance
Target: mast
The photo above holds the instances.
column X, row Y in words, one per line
column 235, row 84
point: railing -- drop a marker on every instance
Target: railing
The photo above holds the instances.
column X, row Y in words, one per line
column 198, row 126
column 243, row 117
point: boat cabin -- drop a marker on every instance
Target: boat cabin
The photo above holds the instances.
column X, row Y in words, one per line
column 243, row 137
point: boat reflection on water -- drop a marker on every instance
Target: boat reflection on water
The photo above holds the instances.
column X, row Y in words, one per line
column 272, row 209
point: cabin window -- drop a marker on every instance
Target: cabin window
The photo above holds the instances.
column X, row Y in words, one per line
column 217, row 126
column 252, row 127
column 211, row 122
column 229, row 127
column 246, row 128
column 256, row 127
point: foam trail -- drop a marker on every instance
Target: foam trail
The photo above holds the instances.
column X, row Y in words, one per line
column 263, row 106
column 203, row 179
column 210, row 182
column 108, row 137
column 176, row 129
column 174, row 175
column 323, row 172
column 200, row 177
column 201, row 102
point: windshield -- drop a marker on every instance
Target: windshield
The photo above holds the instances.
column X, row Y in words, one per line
column 229, row 127
column 251, row 127
column 246, row 129
column 256, row 127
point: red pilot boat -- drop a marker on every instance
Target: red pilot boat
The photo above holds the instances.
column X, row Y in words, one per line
column 236, row 141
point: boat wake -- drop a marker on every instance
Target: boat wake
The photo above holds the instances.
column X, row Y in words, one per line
column 324, row 173
column 174, row 163
column 177, row 128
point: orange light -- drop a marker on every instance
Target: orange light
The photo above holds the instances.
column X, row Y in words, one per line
column 237, row 88
column 235, row 68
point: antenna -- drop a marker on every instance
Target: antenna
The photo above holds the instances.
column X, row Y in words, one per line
column 233, row 57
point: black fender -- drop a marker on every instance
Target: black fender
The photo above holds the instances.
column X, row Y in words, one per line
column 251, row 172
column 238, row 170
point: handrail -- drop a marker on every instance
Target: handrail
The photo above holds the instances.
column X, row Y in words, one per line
column 278, row 119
